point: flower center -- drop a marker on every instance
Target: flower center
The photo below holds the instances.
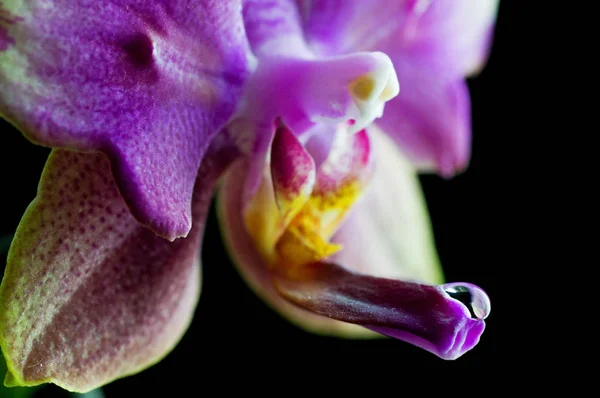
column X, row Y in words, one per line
column 294, row 206
column 298, row 206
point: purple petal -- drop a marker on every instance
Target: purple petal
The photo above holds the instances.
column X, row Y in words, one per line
column 461, row 31
column 431, row 117
column 423, row 315
column 345, row 26
column 147, row 83
column 89, row 294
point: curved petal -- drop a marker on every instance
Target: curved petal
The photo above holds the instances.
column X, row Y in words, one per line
column 430, row 119
column 253, row 268
column 89, row 294
column 388, row 232
column 461, row 31
column 147, row 83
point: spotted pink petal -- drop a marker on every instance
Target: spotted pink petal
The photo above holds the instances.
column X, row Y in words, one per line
column 89, row 294
column 149, row 83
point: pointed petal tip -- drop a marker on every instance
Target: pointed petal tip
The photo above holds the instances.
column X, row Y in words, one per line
column 452, row 164
column 292, row 167
column 10, row 380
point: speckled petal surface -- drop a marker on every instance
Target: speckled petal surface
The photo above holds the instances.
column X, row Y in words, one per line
column 89, row 294
column 149, row 83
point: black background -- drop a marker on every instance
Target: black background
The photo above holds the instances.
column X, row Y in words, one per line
column 237, row 341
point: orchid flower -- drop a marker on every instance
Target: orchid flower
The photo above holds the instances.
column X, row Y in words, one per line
column 314, row 116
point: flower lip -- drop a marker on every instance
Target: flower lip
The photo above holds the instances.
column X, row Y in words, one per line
column 424, row 315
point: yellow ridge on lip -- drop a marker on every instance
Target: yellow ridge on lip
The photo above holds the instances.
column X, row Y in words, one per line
column 291, row 242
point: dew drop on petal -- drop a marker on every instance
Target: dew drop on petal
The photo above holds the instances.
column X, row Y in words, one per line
column 473, row 297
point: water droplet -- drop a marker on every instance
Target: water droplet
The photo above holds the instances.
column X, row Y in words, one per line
column 473, row 297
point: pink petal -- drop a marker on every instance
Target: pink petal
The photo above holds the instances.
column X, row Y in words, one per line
column 430, row 119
